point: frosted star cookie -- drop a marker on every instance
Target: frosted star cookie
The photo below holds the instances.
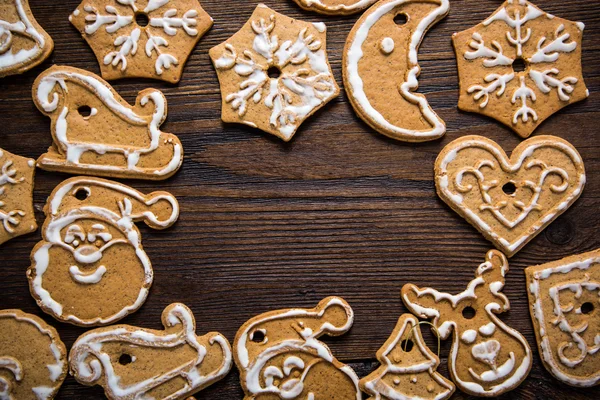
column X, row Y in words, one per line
column 23, row 42
column 487, row 358
column 135, row 363
column 520, row 66
column 279, row 355
column 335, row 7
column 381, row 68
column 141, row 38
column 96, row 132
column 509, row 200
column 274, row 73
column 33, row 359
column 16, row 196
column 90, row 267
column 564, row 302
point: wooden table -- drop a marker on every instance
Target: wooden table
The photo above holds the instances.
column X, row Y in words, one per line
column 340, row 210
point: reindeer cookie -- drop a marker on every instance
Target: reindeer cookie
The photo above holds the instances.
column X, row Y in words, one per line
column 408, row 368
column 509, row 200
column 95, row 132
column 16, row 196
column 135, row 363
column 335, row 7
column 274, row 73
column 520, row 66
column 90, row 267
column 381, row 69
column 564, row 300
column 279, row 355
column 487, row 358
column 33, row 359
column 141, row 38
column 23, row 42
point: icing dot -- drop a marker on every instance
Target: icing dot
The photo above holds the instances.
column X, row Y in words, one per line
column 387, row 45
column 396, row 381
column 413, row 379
column 76, row 243
column 31, row 163
column 76, row 12
column 430, row 388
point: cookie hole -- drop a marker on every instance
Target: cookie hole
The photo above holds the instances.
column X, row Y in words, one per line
column 142, row 19
column 258, row 336
column 81, row 194
column 587, row 308
column 125, row 359
column 468, row 312
column 510, row 188
column 85, row 111
column 274, row 72
column 407, row 345
column 519, row 65
column 400, row 19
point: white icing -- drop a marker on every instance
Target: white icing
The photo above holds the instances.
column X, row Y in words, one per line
column 357, row 6
column 83, row 278
column 387, row 45
column 10, row 219
column 320, row 26
column 469, row 336
column 493, row 55
column 488, row 330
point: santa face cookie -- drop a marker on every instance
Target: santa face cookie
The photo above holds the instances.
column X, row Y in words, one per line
column 408, row 367
column 135, row 363
column 23, row 42
column 279, row 355
column 335, row 7
column 16, row 196
column 564, row 300
column 487, row 358
column 274, row 73
column 509, row 200
column 96, row 132
column 381, row 69
column 520, row 66
column 33, row 359
column 141, row 38
column 90, row 268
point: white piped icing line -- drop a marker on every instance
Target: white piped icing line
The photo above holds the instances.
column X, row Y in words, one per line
column 8, row 178
column 93, row 362
column 354, row 54
column 349, row 7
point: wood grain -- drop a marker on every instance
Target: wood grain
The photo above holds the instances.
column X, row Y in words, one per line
column 340, row 210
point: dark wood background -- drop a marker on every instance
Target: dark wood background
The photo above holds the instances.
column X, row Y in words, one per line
column 340, row 210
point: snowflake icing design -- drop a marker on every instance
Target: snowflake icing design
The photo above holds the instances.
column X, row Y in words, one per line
column 157, row 49
column 305, row 83
column 548, row 46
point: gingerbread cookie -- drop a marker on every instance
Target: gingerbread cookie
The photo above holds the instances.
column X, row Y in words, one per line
column 33, row 359
column 90, row 268
column 274, row 73
column 335, row 7
column 95, row 131
column 408, row 368
column 23, row 42
column 377, row 52
column 141, row 38
column 509, row 200
column 564, row 300
column 135, row 363
column 520, row 66
column 16, row 196
column 279, row 355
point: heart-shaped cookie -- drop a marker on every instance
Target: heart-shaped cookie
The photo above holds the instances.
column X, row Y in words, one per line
column 511, row 200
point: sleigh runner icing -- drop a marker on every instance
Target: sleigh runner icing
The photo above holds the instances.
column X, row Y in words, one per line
column 113, row 138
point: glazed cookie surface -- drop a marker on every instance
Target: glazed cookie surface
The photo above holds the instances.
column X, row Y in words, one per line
column 33, row 359
column 141, row 38
column 335, row 7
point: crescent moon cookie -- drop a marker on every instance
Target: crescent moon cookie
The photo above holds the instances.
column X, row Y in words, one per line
column 96, row 132
column 16, row 196
column 141, row 38
column 135, row 363
column 509, row 200
column 90, row 267
column 377, row 52
column 487, row 357
column 335, row 7
column 564, row 302
column 279, row 355
column 274, row 73
column 33, row 359
column 520, row 66
column 23, row 42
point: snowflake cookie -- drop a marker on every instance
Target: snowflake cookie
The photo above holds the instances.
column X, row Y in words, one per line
column 274, row 73
column 520, row 66
column 335, row 7
column 165, row 30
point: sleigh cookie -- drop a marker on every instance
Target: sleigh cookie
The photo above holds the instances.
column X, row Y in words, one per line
column 135, row 363
column 487, row 358
column 279, row 355
column 90, row 267
column 95, row 132
column 564, row 300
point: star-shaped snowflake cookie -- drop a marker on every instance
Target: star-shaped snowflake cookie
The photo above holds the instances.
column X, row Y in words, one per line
column 274, row 73
column 141, row 38
column 520, row 66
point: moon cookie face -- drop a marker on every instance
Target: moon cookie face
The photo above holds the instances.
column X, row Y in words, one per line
column 335, row 7
column 381, row 68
